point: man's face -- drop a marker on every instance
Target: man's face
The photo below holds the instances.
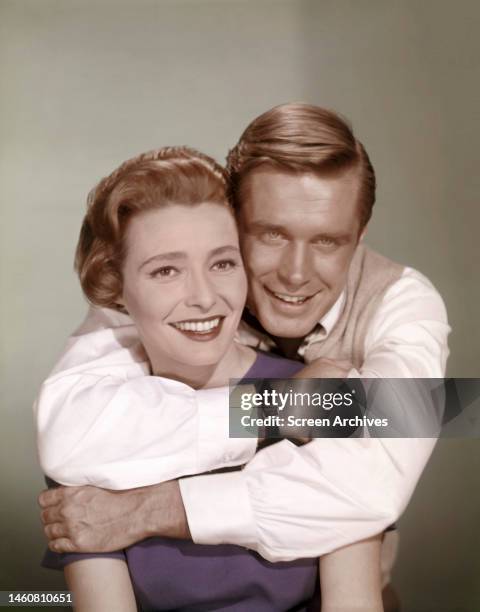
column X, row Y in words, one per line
column 299, row 233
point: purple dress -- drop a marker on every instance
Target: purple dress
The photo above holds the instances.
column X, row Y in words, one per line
column 178, row 575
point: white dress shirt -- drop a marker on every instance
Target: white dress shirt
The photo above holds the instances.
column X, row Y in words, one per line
column 102, row 420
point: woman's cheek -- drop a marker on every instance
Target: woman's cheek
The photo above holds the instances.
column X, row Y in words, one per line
column 142, row 303
column 241, row 287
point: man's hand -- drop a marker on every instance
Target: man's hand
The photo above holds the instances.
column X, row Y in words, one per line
column 89, row 519
column 320, row 368
column 325, row 368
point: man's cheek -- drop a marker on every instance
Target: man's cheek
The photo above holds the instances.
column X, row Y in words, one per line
column 333, row 270
column 261, row 260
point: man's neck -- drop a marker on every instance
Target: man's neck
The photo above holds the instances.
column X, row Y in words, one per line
column 287, row 347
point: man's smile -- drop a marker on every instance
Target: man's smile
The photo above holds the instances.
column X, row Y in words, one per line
column 291, row 300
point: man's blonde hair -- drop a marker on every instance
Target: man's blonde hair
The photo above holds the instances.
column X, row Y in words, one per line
column 301, row 138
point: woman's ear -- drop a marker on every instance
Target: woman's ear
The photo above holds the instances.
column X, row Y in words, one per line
column 120, row 304
column 122, row 309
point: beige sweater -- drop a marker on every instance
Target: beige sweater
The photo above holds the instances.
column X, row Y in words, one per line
column 369, row 277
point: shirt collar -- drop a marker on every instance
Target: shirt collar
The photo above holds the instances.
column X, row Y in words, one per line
column 251, row 335
column 324, row 326
column 329, row 320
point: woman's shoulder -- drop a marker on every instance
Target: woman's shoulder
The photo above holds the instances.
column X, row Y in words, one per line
column 268, row 365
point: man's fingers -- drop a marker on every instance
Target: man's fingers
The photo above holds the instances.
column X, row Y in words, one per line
column 55, row 531
column 50, row 497
column 52, row 514
column 62, row 545
column 60, row 513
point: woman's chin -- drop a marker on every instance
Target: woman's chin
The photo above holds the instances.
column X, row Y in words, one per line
column 203, row 358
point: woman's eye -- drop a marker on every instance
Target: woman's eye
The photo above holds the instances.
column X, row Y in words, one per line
column 164, row 272
column 224, row 265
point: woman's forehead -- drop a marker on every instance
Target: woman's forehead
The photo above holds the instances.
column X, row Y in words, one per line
column 177, row 230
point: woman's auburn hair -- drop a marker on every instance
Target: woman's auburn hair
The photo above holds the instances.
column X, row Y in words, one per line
column 152, row 180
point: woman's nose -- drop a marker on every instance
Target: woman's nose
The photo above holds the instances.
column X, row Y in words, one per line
column 201, row 292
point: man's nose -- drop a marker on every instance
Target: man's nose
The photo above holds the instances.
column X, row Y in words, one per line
column 295, row 267
column 200, row 291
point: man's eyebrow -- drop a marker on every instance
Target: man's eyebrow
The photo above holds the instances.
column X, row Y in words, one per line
column 266, row 225
column 263, row 226
column 340, row 236
column 181, row 255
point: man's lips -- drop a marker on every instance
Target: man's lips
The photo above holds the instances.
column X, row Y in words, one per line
column 287, row 298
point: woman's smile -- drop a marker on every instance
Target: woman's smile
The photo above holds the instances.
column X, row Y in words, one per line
column 184, row 285
column 200, row 330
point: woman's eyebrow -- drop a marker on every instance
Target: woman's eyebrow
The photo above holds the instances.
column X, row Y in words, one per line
column 171, row 256
column 179, row 255
column 224, row 249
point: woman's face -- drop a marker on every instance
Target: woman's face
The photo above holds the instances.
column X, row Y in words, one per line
column 184, row 284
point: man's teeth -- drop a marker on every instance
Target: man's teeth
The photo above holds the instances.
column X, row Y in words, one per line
column 198, row 326
column 290, row 298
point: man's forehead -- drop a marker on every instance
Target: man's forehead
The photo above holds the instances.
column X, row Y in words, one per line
column 274, row 196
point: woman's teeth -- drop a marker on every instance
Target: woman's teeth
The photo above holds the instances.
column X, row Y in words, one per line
column 290, row 298
column 198, row 326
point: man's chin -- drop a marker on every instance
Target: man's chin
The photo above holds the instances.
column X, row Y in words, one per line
column 287, row 328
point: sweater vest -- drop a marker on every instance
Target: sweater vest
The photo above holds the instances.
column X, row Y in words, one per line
column 369, row 277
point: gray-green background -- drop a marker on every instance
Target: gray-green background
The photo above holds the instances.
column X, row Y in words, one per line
column 86, row 84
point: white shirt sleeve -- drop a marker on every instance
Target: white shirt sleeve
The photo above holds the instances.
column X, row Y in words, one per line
column 102, row 420
column 292, row 502
column 408, row 335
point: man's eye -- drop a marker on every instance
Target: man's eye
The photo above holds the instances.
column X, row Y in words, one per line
column 164, row 272
column 326, row 242
column 272, row 236
column 224, row 265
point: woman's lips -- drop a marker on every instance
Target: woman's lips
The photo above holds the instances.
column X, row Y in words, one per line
column 200, row 330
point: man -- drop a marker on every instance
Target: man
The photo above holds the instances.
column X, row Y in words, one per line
column 304, row 188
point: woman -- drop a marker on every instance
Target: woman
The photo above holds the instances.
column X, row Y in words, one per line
column 160, row 243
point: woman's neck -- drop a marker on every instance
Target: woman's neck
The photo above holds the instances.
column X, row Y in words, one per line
column 234, row 364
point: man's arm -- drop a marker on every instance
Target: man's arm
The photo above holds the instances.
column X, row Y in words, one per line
column 305, row 501
column 292, row 502
column 94, row 520
column 162, row 428
column 289, row 502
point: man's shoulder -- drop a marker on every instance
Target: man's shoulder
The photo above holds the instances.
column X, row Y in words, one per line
column 406, row 275
column 369, row 277
column 376, row 262
column 414, row 288
column 398, row 282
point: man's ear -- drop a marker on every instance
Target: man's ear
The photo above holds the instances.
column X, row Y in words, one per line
column 363, row 231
